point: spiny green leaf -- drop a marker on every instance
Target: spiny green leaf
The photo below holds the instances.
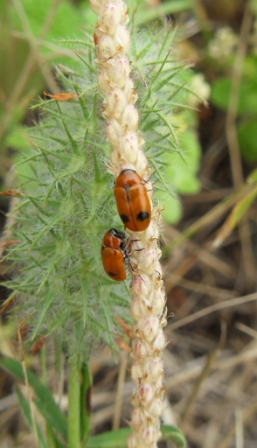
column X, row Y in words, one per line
column 148, row 45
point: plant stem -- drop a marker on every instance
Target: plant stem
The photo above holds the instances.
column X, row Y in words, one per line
column 74, row 404
column 85, row 403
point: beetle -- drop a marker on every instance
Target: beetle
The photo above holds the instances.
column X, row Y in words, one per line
column 114, row 254
column 132, row 201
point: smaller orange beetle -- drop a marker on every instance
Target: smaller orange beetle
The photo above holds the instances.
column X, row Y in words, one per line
column 132, row 201
column 114, row 254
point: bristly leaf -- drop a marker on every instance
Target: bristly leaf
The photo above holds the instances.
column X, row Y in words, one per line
column 68, row 201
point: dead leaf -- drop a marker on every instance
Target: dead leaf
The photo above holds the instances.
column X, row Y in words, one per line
column 62, row 96
column 11, row 193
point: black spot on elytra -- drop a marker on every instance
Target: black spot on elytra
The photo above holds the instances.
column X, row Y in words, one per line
column 124, row 218
column 142, row 216
column 112, row 274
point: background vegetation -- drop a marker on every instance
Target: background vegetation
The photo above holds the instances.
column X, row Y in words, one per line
column 210, row 215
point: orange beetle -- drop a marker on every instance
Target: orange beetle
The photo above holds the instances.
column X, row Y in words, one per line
column 132, row 201
column 114, row 254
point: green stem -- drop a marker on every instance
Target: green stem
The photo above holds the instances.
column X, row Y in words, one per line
column 85, row 397
column 74, row 405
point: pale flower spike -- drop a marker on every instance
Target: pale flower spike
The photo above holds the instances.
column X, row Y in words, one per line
column 148, row 304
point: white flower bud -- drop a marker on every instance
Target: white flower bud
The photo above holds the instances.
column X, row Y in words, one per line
column 145, row 393
column 159, row 387
column 122, row 39
column 163, row 316
column 135, row 400
column 132, row 441
column 116, row 103
column 118, row 71
column 138, row 308
column 130, row 118
column 106, row 48
column 158, row 302
column 110, row 17
column 151, row 234
column 158, row 268
column 129, row 92
column 104, row 82
column 124, row 12
column 95, row 5
column 113, row 132
column 128, row 166
column 149, row 188
column 141, row 285
column 154, row 368
column 141, row 141
column 149, row 435
column 141, row 166
column 116, row 159
column 149, row 327
column 129, row 146
column 136, row 372
column 155, row 231
column 159, row 342
column 147, row 260
column 159, row 251
column 155, row 408
column 139, row 349
column 138, row 418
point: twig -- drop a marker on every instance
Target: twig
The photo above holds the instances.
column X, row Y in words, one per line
column 234, row 150
column 204, row 373
column 215, row 213
column 233, row 146
column 185, row 375
column 120, row 383
column 201, row 287
column 239, row 429
column 246, row 415
column 211, row 309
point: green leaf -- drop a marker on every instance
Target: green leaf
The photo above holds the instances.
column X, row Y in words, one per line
column 15, row 56
column 111, row 439
column 173, row 434
column 44, row 399
column 247, row 138
column 24, row 405
column 182, row 171
column 66, row 21
column 252, row 178
column 145, row 15
column 171, row 207
column 118, row 439
column 247, row 101
column 220, row 92
column 182, row 167
column 235, row 216
column 46, row 307
column 52, row 441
